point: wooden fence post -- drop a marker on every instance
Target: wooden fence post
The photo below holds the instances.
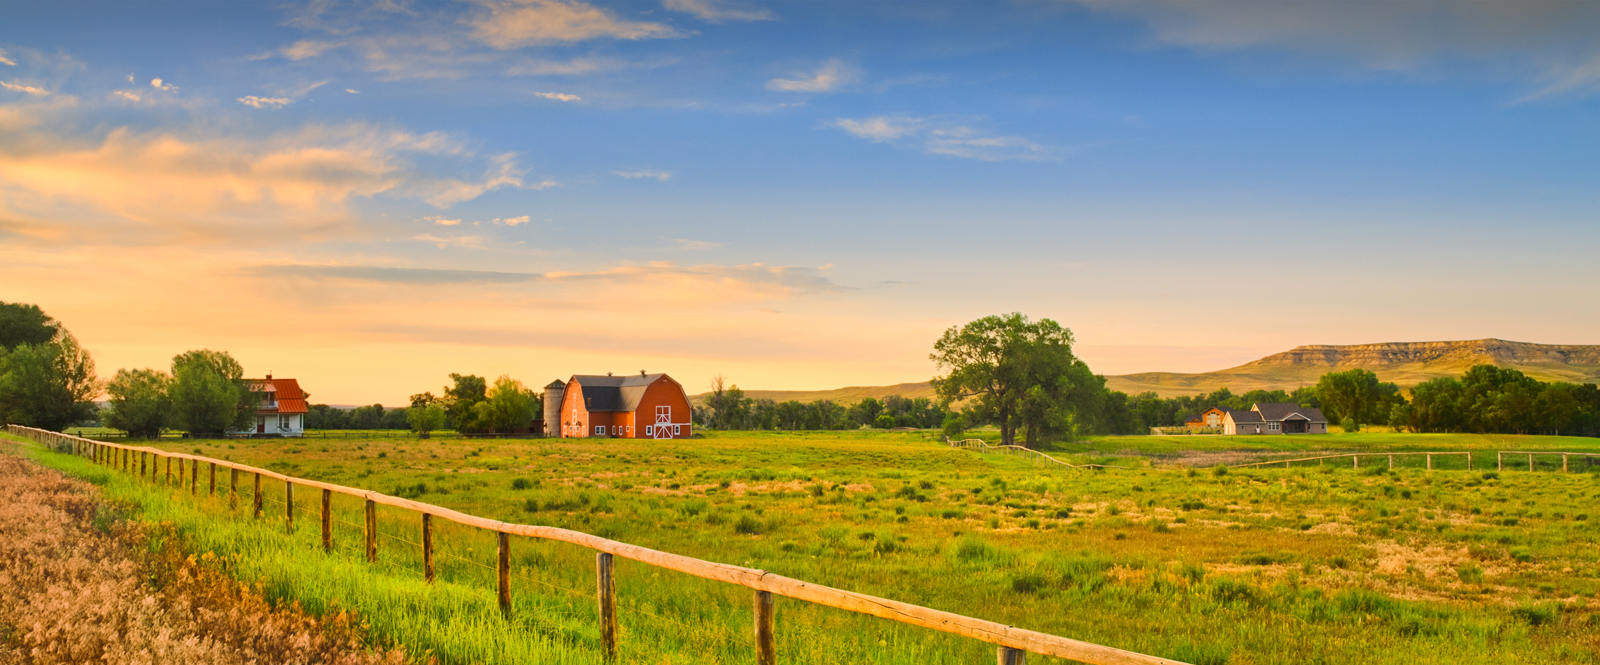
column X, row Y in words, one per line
column 180, row 474
column 607, row 591
column 1010, row 656
column 288, row 507
column 1469, row 461
column 194, row 477
column 372, row 531
column 766, row 645
column 327, row 520
column 256, row 512
column 213, row 480
column 1563, row 462
column 1499, row 461
column 503, row 570
column 427, row 547
column 1391, row 462
column 1530, row 461
column 233, row 489
column 1355, row 461
column 1430, row 461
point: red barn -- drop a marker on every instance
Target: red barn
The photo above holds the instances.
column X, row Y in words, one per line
column 647, row 406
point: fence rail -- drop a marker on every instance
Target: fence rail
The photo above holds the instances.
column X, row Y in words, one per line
column 1012, row 643
column 1499, row 460
column 1038, row 457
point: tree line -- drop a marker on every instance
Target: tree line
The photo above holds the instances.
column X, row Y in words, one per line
column 1022, row 377
column 728, row 408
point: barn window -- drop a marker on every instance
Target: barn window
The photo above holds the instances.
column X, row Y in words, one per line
column 676, row 431
column 649, row 430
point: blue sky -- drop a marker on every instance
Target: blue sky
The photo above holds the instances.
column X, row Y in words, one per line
column 794, row 195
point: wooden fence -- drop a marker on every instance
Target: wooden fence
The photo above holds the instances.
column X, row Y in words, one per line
column 1019, row 451
column 1012, row 643
column 1499, row 458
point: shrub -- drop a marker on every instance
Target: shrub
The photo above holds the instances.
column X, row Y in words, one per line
column 1536, row 614
column 521, row 484
column 1219, row 470
column 1027, row 583
column 1350, row 425
column 747, row 525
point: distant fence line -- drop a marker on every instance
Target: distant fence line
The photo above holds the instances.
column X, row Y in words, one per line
column 1012, row 643
column 1182, row 430
column 1499, row 458
column 1020, row 451
column 320, row 434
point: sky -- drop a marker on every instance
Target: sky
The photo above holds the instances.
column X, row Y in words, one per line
column 368, row 197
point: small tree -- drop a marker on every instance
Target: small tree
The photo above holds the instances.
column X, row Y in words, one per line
column 954, row 425
column 508, row 407
column 50, row 385
column 1350, row 425
column 208, row 392
column 139, row 402
column 884, row 421
column 425, row 419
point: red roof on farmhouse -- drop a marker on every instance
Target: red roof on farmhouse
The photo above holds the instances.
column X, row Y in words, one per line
column 287, row 392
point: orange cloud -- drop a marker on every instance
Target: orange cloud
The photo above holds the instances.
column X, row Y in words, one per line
column 509, row 24
column 214, row 188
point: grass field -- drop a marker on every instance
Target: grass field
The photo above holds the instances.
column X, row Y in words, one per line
column 1305, row 565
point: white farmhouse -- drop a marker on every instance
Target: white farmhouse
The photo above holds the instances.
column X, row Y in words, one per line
column 281, row 410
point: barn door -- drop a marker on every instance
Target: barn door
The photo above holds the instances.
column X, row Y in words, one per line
column 663, row 422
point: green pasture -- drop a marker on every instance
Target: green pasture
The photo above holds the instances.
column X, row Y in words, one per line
column 1313, row 564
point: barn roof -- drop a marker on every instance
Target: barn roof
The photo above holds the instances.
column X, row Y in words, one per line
column 1280, row 411
column 614, row 393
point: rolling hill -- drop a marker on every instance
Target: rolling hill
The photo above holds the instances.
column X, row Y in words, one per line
column 1405, row 363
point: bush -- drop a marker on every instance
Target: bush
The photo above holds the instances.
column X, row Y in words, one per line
column 1027, row 583
column 747, row 525
column 1350, row 425
column 1535, row 615
column 521, row 484
column 1219, row 470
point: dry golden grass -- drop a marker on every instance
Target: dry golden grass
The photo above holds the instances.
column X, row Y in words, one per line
column 78, row 586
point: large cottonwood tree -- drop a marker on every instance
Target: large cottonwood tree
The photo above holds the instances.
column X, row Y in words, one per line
column 1020, row 375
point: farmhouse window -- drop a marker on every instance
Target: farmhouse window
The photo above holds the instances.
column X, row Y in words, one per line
column 599, row 429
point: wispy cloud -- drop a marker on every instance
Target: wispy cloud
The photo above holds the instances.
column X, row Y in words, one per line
column 511, row 221
column 694, row 245
column 444, row 242
column 558, row 96
column 18, row 87
column 748, row 281
column 421, row 276
column 945, row 136
column 827, row 78
column 288, row 98
column 126, row 95
column 352, row 91
column 307, row 48
column 510, row 24
column 718, row 11
column 163, row 85
column 663, row 176
column 573, row 67
column 265, row 102
column 6, row 59
column 1548, row 43
column 442, row 221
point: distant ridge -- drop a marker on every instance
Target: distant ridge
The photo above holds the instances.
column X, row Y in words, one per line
column 1404, row 363
column 849, row 395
